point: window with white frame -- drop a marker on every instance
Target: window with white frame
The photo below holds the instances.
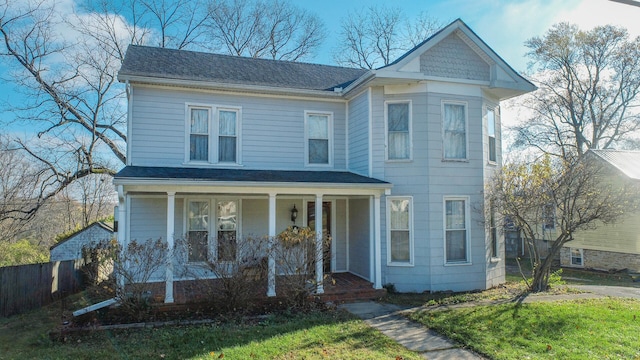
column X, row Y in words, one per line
column 491, row 133
column 213, row 134
column 199, row 134
column 227, row 135
column 318, row 138
column 456, row 229
column 398, row 130
column 198, row 230
column 577, row 257
column 227, row 225
column 399, row 234
column 454, row 131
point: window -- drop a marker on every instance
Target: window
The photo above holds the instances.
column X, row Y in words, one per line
column 493, row 231
column 318, row 130
column 456, row 230
column 199, row 134
column 399, row 234
column 455, row 131
column 227, row 230
column 549, row 217
column 213, row 134
column 227, row 136
column 398, row 131
column 198, row 230
column 491, row 132
column 577, row 257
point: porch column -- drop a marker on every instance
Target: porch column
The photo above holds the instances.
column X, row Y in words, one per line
column 171, row 204
column 122, row 225
column 377, row 283
column 319, row 245
column 271, row 276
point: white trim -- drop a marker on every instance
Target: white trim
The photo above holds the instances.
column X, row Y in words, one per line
column 330, row 134
column 388, row 201
column 488, row 109
column 467, row 225
column 386, row 129
column 581, row 265
column 213, row 134
column 129, row 121
column 346, row 135
column 377, row 260
column 271, row 271
column 236, row 89
column 370, row 100
column 171, row 203
column 333, row 235
column 348, row 215
column 466, row 130
column 319, row 245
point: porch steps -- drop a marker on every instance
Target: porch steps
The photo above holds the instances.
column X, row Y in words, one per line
column 352, row 295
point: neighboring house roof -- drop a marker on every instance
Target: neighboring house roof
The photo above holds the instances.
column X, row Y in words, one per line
column 103, row 225
column 245, row 176
column 144, row 61
column 628, row 162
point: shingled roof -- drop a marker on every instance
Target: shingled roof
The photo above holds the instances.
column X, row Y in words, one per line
column 161, row 63
column 243, row 175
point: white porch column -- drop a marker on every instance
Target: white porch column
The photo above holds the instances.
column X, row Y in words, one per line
column 271, row 276
column 319, row 245
column 171, row 205
column 377, row 283
column 122, row 225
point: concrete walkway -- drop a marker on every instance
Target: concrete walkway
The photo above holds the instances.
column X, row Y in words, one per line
column 388, row 319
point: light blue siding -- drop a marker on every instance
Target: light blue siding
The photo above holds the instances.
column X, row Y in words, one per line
column 271, row 134
column 358, row 141
column 359, row 237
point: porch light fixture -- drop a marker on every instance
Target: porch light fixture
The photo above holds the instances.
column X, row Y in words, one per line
column 294, row 214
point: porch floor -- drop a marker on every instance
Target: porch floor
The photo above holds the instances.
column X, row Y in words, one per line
column 338, row 288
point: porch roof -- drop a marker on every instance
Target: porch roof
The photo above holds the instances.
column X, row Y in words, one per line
column 137, row 175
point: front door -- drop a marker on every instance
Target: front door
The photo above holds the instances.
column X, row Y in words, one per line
column 326, row 227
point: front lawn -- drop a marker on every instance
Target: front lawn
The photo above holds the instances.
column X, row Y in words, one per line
column 316, row 335
column 581, row 329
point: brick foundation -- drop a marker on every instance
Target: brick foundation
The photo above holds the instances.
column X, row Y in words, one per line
column 602, row 260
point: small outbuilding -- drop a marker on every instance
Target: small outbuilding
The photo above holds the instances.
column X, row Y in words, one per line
column 70, row 248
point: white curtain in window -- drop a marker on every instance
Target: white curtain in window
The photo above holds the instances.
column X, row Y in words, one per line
column 456, row 232
column 398, row 126
column 227, row 226
column 227, row 140
column 455, row 143
column 198, row 230
column 199, row 138
column 400, row 243
column 318, row 135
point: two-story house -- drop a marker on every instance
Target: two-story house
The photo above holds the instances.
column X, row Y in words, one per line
column 393, row 161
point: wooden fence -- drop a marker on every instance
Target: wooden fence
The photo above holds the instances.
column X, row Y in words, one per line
column 27, row 287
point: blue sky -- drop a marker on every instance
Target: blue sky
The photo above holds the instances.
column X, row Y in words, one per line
column 503, row 24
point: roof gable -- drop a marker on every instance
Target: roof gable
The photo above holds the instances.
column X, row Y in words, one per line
column 458, row 53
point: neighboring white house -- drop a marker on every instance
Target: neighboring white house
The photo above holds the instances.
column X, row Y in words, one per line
column 394, row 159
column 615, row 246
column 70, row 248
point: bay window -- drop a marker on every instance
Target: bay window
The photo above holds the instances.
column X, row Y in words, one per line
column 454, row 131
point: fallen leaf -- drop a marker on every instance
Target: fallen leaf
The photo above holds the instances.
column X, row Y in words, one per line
column 548, row 347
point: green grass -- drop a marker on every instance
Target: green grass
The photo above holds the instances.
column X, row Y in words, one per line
column 586, row 329
column 317, row 335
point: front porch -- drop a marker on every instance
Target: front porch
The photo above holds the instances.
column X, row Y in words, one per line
column 214, row 209
column 338, row 288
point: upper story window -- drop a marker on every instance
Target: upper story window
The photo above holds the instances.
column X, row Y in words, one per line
column 491, row 133
column 398, row 130
column 454, row 130
column 213, row 134
column 318, row 145
column 199, row 134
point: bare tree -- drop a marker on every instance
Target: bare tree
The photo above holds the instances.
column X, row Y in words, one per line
column 378, row 35
column 274, row 29
column 589, row 83
column 581, row 191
